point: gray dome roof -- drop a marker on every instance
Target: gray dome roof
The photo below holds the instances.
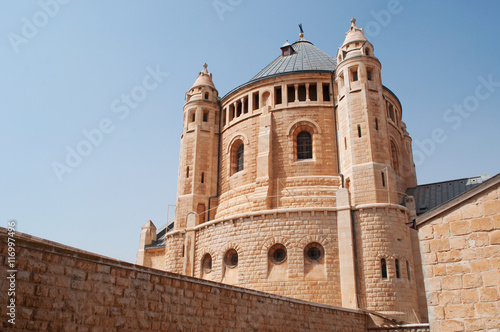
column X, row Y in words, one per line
column 306, row 57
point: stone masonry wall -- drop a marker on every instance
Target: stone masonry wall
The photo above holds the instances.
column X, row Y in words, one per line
column 381, row 233
column 461, row 262
column 253, row 236
column 59, row 288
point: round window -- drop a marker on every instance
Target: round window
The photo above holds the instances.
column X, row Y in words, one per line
column 231, row 258
column 314, row 252
column 277, row 254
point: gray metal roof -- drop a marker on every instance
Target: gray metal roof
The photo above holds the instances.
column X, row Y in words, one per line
column 430, row 196
column 306, row 57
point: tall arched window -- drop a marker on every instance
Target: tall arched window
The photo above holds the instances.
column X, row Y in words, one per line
column 304, row 145
column 394, row 157
column 239, row 157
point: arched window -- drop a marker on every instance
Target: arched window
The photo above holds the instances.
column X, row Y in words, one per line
column 304, row 145
column 239, row 157
column 394, row 157
column 398, row 273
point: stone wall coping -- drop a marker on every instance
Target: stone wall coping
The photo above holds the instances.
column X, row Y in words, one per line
column 431, row 214
column 381, row 205
column 44, row 245
column 276, row 211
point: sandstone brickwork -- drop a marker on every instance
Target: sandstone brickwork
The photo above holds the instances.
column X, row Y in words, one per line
column 460, row 245
column 59, row 288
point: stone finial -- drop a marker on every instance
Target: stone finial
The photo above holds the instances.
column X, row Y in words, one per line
column 353, row 21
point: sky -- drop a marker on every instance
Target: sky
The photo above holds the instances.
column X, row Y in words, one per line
column 85, row 164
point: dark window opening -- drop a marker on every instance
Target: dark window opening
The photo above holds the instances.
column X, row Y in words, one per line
column 279, row 255
column 314, row 254
column 302, row 92
column 202, row 177
column 256, row 101
column 326, row 92
column 239, row 158
column 304, row 145
column 369, row 74
column 206, row 95
column 193, row 117
column 205, row 116
column 291, row 93
column 383, row 179
column 354, row 75
column 359, row 131
column 187, row 171
column 277, row 95
column 231, row 258
column 376, row 124
column 408, row 272
column 238, row 109
column 231, row 112
column 245, row 105
column 313, row 92
column 398, row 274
column 383, row 266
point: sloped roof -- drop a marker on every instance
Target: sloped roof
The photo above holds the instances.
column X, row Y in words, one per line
column 306, row 57
column 477, row 189
column 430, row 196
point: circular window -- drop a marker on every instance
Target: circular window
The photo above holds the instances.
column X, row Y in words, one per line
column 314, row 252
column 277, row 254
column 231, row 258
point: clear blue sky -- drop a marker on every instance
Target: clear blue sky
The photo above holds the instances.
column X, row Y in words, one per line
column 65, row 67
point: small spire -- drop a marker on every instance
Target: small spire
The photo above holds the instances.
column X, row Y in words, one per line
column 301, row 35
column 205, row 65
column 353, row 20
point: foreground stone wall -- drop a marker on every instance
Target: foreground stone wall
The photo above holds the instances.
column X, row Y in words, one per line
column 461, row 261
column 59, row 288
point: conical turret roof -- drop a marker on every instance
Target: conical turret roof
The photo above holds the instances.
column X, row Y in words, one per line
column 204, row 78
column 354, row 33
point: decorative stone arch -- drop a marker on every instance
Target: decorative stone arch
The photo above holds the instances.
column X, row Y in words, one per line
column 314, row 238
column 303, row 122
column 270, row 241
column 232, row 152
column 230, row 245
column 299, row 126
column 236, row 137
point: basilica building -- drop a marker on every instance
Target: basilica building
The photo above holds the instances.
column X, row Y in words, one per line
column 301, row 183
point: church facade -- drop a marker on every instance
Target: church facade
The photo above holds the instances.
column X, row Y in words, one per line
column 301, row 183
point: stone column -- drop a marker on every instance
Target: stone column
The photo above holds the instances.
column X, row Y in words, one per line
column 346, row 250
column 189, row 242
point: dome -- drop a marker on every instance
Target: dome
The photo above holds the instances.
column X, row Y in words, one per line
column 303, row 57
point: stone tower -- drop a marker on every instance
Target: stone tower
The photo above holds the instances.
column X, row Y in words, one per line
column 197, row 179
column 377, row 170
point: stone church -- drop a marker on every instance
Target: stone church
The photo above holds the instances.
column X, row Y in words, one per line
column 301, row 183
